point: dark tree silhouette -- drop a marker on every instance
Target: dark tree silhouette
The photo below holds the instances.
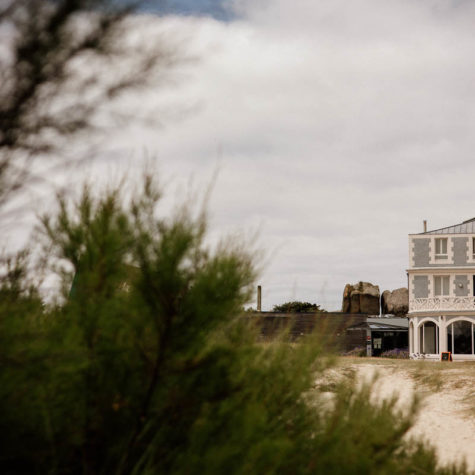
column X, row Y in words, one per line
column 297, row 307
column 61, row 62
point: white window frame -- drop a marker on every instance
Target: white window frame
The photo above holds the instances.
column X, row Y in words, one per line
column 442, row 276
column 433, row 257
column 471, row 250
column 441, row 242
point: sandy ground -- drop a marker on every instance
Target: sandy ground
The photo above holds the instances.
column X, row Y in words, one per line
column 447, row 417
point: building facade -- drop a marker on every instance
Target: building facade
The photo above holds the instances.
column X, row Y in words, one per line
column 441, row 282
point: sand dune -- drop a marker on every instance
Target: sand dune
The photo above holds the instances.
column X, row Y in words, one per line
column 447, row 417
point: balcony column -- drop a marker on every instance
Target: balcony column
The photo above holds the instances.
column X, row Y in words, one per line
column 442, row 334
column 417, row 330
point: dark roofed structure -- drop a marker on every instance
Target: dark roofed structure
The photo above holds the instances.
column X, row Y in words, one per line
column 341, row 332
column 332, row 326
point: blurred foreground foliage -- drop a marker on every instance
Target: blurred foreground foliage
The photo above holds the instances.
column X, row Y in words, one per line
column 145, row 367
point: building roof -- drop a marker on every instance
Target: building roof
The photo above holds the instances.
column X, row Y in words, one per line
column 467, row 227
column 383, row 324
column 390, row 321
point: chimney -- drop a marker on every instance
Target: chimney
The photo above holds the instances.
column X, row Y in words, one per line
column 425, row 225
column 259, row 298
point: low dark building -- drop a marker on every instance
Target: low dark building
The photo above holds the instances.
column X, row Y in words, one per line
column 381, row 334
column 339, row 331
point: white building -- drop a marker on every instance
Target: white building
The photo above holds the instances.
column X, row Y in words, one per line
column 441, row 280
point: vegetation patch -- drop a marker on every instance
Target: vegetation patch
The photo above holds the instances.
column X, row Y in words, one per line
column 396, row 353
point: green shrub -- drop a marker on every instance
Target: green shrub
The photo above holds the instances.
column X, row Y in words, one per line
column 146, row 366
column 298, row 307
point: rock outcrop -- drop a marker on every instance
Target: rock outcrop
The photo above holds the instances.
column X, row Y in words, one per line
column 395, row 302
column 362, row 297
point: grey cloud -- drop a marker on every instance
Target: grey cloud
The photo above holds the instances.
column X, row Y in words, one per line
column 337, row 127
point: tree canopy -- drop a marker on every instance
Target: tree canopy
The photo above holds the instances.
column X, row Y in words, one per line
column 62, row 62
column 297, row 307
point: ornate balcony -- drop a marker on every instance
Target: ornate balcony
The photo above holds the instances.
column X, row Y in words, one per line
column 438, row 304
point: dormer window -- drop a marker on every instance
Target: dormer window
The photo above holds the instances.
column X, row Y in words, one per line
column 441, row 248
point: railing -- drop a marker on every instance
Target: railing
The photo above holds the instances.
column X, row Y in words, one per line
column 442, row 303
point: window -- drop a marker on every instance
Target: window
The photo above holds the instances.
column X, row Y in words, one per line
column 441, row 285
column 429, row 338
column 441, row 248
column 461, row 337
column 473, row 248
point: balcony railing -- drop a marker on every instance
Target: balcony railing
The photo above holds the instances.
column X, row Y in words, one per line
column 451, row 304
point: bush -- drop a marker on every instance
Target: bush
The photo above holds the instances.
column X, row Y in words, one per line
column 298, row 307
column 398, row 353
column 146, row 366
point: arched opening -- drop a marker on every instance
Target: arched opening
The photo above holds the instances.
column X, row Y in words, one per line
column 461, row 337
column 429, row 338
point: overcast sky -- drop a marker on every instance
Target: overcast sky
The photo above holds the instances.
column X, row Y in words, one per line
column 336, row 127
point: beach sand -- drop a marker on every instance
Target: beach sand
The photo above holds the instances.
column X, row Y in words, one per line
column 447, row 416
